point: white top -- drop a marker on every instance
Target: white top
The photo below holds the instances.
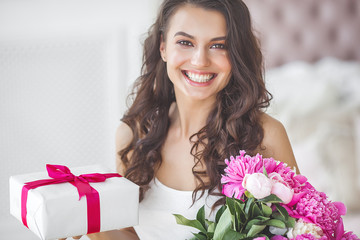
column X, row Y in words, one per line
column 156, row 221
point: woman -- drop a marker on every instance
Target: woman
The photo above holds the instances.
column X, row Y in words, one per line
column 200, row 98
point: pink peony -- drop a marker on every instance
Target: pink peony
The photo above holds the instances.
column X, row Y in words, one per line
column 340, row 232
column 243, row 164
column 287, row 175
column 235, row 172
column 349, row 236
column 260, row 238
column 258, row 185
column 278, row 237
column 309, row 236
column 314, row 207
column 317, row 217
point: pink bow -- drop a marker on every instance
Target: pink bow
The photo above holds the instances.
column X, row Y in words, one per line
column 62, row 174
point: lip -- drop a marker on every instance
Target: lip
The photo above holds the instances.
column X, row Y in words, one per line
column 198, row 84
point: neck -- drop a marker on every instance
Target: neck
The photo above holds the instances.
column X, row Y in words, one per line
column 189, row 116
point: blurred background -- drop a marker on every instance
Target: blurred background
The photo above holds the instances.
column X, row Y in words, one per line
column 66, row 68
column 312, row 68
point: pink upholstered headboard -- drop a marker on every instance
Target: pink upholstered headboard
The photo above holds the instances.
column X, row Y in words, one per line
column 306, row 29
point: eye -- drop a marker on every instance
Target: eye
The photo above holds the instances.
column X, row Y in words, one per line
column 218, row 46
column 185, row 43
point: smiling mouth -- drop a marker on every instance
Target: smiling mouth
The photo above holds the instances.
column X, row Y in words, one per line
column 199, row 78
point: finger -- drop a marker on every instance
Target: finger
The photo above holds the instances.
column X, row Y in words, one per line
column 62, row 239
column 77, row 237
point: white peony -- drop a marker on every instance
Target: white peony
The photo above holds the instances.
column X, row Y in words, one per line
column 302, row 227
column 258, row 185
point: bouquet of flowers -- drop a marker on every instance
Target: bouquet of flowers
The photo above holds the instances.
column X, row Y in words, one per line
column 266, row 199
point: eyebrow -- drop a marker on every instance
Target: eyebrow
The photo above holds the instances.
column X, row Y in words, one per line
column 192, row 37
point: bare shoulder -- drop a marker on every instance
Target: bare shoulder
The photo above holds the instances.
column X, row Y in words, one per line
column 276, row 142
column 123, row 138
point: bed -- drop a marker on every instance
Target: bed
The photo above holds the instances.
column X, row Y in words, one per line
column 312, row 68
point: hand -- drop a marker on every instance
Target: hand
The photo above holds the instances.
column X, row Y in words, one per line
column 124, row 234
column 76, row 237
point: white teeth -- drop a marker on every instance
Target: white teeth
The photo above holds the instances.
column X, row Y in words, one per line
column 201, row 78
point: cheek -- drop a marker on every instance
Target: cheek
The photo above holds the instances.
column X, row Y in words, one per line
column 177, row 58
column 224, row 65
column 223, row 61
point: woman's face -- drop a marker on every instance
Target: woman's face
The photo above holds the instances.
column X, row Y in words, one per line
column 194, row 48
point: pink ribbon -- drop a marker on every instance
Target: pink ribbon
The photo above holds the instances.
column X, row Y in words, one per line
column 62, row 174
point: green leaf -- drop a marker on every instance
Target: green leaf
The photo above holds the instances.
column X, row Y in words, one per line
column 191, row 223
column 200, row 236
column 275, row 223
column 255, row 211
column 282, row 211
column 238, row 216
column 290, row 223
column 208, row 223
column 271, row 199
column 265, row 172
column 223, row 225
column 255, row 229
column 200, row 216
column 263, row 218
column 211, row 227
column 240, row 202
column 210, row 235
column 267, row 211
column 252, row 209
column 248, row 194
column 233, row 235
column 241, row 217
column 230, row 203
column 277, row 215
column 219, row 213
column 253, row 222
column 248, row 204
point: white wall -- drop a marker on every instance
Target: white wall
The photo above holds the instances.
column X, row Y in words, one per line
column 65, row 70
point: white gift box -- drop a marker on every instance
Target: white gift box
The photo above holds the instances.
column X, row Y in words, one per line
column 55, row 211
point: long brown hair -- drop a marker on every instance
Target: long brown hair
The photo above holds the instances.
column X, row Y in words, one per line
column 233, row 123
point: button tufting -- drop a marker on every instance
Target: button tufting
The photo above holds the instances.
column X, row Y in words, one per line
column 307, row 30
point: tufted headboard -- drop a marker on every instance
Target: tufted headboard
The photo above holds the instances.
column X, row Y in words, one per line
column 306, row 30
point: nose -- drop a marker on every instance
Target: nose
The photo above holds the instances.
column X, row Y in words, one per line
column 200, row 58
